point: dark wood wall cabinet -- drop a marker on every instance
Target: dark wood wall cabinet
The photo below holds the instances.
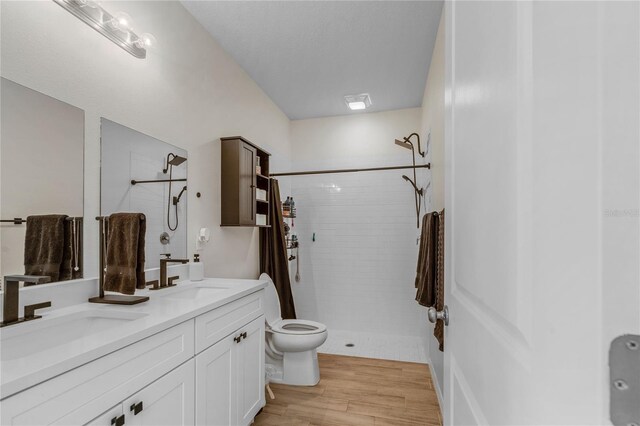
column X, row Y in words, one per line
column 245, row 183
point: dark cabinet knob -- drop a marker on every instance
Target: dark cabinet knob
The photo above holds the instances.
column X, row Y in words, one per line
column 136, row 408
column 244, row 335
column 237, row 339
column 118, row 421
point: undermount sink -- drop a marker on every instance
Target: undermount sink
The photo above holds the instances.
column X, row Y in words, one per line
column 38, row 335
column 198, row 291
column 195, row 292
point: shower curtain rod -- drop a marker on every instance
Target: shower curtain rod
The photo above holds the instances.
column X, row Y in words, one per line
column 372, row 169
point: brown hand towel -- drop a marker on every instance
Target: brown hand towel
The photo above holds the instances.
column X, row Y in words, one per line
column 125, row 253
column 43, row 245
column 427, row 258
column 438, row 331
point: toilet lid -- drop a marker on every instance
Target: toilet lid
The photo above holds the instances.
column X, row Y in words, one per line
column 272, row 302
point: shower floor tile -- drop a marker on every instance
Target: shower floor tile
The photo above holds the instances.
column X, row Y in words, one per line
column 373, row 345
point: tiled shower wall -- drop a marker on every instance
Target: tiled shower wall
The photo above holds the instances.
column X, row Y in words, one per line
column 359, row 272
column 358, row 234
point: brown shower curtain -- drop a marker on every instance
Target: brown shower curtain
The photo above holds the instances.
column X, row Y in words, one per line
column 273, row 253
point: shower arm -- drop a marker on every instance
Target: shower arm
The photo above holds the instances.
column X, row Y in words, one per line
column 166, row 167
column 406, row 139
column 418, row 193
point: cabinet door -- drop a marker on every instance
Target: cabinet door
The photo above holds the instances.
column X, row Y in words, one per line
column 216, row 379
column 167, row 401
column 247, row 183
column 250, row 356
column 111, row 417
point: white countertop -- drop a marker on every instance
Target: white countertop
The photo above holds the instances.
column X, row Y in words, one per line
column 157, row 314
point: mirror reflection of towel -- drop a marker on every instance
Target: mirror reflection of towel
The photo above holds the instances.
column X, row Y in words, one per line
column 125, row 253
column 43, row 245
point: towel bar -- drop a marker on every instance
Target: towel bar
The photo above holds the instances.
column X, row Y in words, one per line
column 111, row 299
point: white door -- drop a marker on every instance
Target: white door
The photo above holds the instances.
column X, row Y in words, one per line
column 169, row 401
column 542, row 197
column 216, row 378
column 250, row 355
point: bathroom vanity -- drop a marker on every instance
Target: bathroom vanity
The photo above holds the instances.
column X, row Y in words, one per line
column 193, row 354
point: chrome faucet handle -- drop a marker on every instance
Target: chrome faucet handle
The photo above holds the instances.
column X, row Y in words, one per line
column 30, row 310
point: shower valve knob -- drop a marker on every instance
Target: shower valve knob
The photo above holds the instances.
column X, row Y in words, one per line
column 435, row 315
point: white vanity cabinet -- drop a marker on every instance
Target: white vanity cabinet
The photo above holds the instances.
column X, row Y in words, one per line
column 167, row 401
column 77, row 396
column 207, row 370
column 230, row 378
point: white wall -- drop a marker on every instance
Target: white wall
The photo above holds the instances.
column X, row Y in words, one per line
column 127, row 155
column 359, row 273
column 433, row 122
column 187, row 92
column 42, row 173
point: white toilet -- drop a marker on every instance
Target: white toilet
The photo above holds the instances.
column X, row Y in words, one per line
column 291, row 345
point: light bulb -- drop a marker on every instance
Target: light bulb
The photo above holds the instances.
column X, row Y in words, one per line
column 121, row 21
column 145, row 41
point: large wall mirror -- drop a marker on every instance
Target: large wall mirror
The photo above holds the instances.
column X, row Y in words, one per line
column 41, row 185
column 142, row 174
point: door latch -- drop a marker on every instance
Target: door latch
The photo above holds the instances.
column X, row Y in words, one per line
column 624, row 380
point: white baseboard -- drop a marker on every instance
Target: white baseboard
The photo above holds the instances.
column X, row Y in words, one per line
column 438, row 387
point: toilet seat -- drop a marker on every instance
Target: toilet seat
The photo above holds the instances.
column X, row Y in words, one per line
column 298, row 327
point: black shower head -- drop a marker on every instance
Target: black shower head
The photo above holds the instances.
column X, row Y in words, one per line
column 173, row 160
column 405, row 143
column 177, row 160
column 176, row 200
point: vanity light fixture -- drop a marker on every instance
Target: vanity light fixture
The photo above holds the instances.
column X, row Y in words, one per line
column 116, row 27
column 358, row 102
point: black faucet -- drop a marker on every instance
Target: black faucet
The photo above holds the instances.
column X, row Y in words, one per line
column 11, row 298
column 163, row 269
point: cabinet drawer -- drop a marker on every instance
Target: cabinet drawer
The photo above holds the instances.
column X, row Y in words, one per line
column 220, row 322
column 79, row 395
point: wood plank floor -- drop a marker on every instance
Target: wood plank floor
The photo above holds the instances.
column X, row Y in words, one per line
column 357, row 391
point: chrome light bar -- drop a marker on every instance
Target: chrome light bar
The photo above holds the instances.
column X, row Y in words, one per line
column 106, row 24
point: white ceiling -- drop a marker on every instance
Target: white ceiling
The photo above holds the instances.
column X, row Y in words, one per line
column 306, row 55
